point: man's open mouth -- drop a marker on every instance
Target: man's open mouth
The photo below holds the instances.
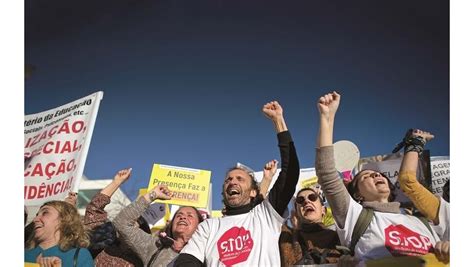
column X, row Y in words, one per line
column 233, row 192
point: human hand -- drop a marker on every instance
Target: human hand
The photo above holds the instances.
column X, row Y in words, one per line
column 71, row 198
column 294, row 219
column 270, row 169
column 427, row 136
column 273, row 110
column 123, row 175
column 160, row 192
column 441, row 251
column 328, row 104
column 48, row 261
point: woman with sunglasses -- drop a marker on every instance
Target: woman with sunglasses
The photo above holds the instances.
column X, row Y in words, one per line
column 309, row 241
column 389, row 233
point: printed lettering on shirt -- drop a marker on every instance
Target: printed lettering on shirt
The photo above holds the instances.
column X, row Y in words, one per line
column 234, row 246
column 400, row 240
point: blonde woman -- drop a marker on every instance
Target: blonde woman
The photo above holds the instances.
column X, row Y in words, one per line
column 59, row 238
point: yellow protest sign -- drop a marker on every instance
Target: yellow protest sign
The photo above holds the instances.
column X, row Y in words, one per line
column 142, row 191
column 189, row 187
column 328, row 218
column 424, row 260
column 216, row 214
column 309, row 182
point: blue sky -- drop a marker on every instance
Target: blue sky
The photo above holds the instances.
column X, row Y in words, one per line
column 184, row 81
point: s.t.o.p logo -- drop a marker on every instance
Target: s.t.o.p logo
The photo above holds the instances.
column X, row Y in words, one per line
column 234, row 246
column 400, row 240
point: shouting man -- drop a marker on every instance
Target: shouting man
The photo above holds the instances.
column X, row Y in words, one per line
column 248, row 233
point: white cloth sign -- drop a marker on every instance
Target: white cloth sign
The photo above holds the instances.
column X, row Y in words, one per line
column 439, row 174
column 55, row 150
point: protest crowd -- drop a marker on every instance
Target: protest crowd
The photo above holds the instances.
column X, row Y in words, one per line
column 262, row 225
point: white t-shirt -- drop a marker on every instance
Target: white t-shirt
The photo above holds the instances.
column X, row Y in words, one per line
column 442, row 229
column 249, row 239
column 388, row 234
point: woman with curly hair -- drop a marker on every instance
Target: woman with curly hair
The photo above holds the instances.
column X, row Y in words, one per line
column 59, row 238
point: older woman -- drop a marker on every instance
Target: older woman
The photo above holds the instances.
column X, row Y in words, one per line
column 161, row 250
column 389, row 233
column 58, row 237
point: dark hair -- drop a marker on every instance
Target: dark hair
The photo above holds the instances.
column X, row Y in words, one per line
column 320, row 197
column 26, row 215
column 169, row 228
column 446, row 191
column 102, row 237
column 143, row 224
column 353, row 190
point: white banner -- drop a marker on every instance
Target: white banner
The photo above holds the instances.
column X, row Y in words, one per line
column 391, row 169
column 307, row 178
column 56, row 146
column 439, row 174
column 390, row 166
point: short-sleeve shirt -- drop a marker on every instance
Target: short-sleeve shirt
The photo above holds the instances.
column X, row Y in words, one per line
column 388, row 234
column 249, row 239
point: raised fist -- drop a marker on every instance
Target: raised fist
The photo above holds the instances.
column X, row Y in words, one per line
column 426, row 135
column 270, row 169
column 328, row 104
column 123, row 175
column 272, row 110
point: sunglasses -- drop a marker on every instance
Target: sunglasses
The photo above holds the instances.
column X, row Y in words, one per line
column 312, row 197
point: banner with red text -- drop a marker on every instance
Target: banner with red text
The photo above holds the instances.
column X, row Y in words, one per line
column 55, row 150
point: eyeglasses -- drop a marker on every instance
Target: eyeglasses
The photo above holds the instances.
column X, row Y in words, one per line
column 311, row 197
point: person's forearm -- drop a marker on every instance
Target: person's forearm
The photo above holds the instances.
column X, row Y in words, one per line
column 131, row 212
column 142, row 243
column 264, row 185
column 326, row 129
column 427, row 203
column 280, row 125
column 422, row 198
column 328, row 178
column 148, row 198
column 110, row 189
column 331, row 184
column 409, row 162
column 285, row 185
column 95, row 214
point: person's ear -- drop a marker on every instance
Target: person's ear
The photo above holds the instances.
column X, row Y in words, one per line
column 253, row 193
